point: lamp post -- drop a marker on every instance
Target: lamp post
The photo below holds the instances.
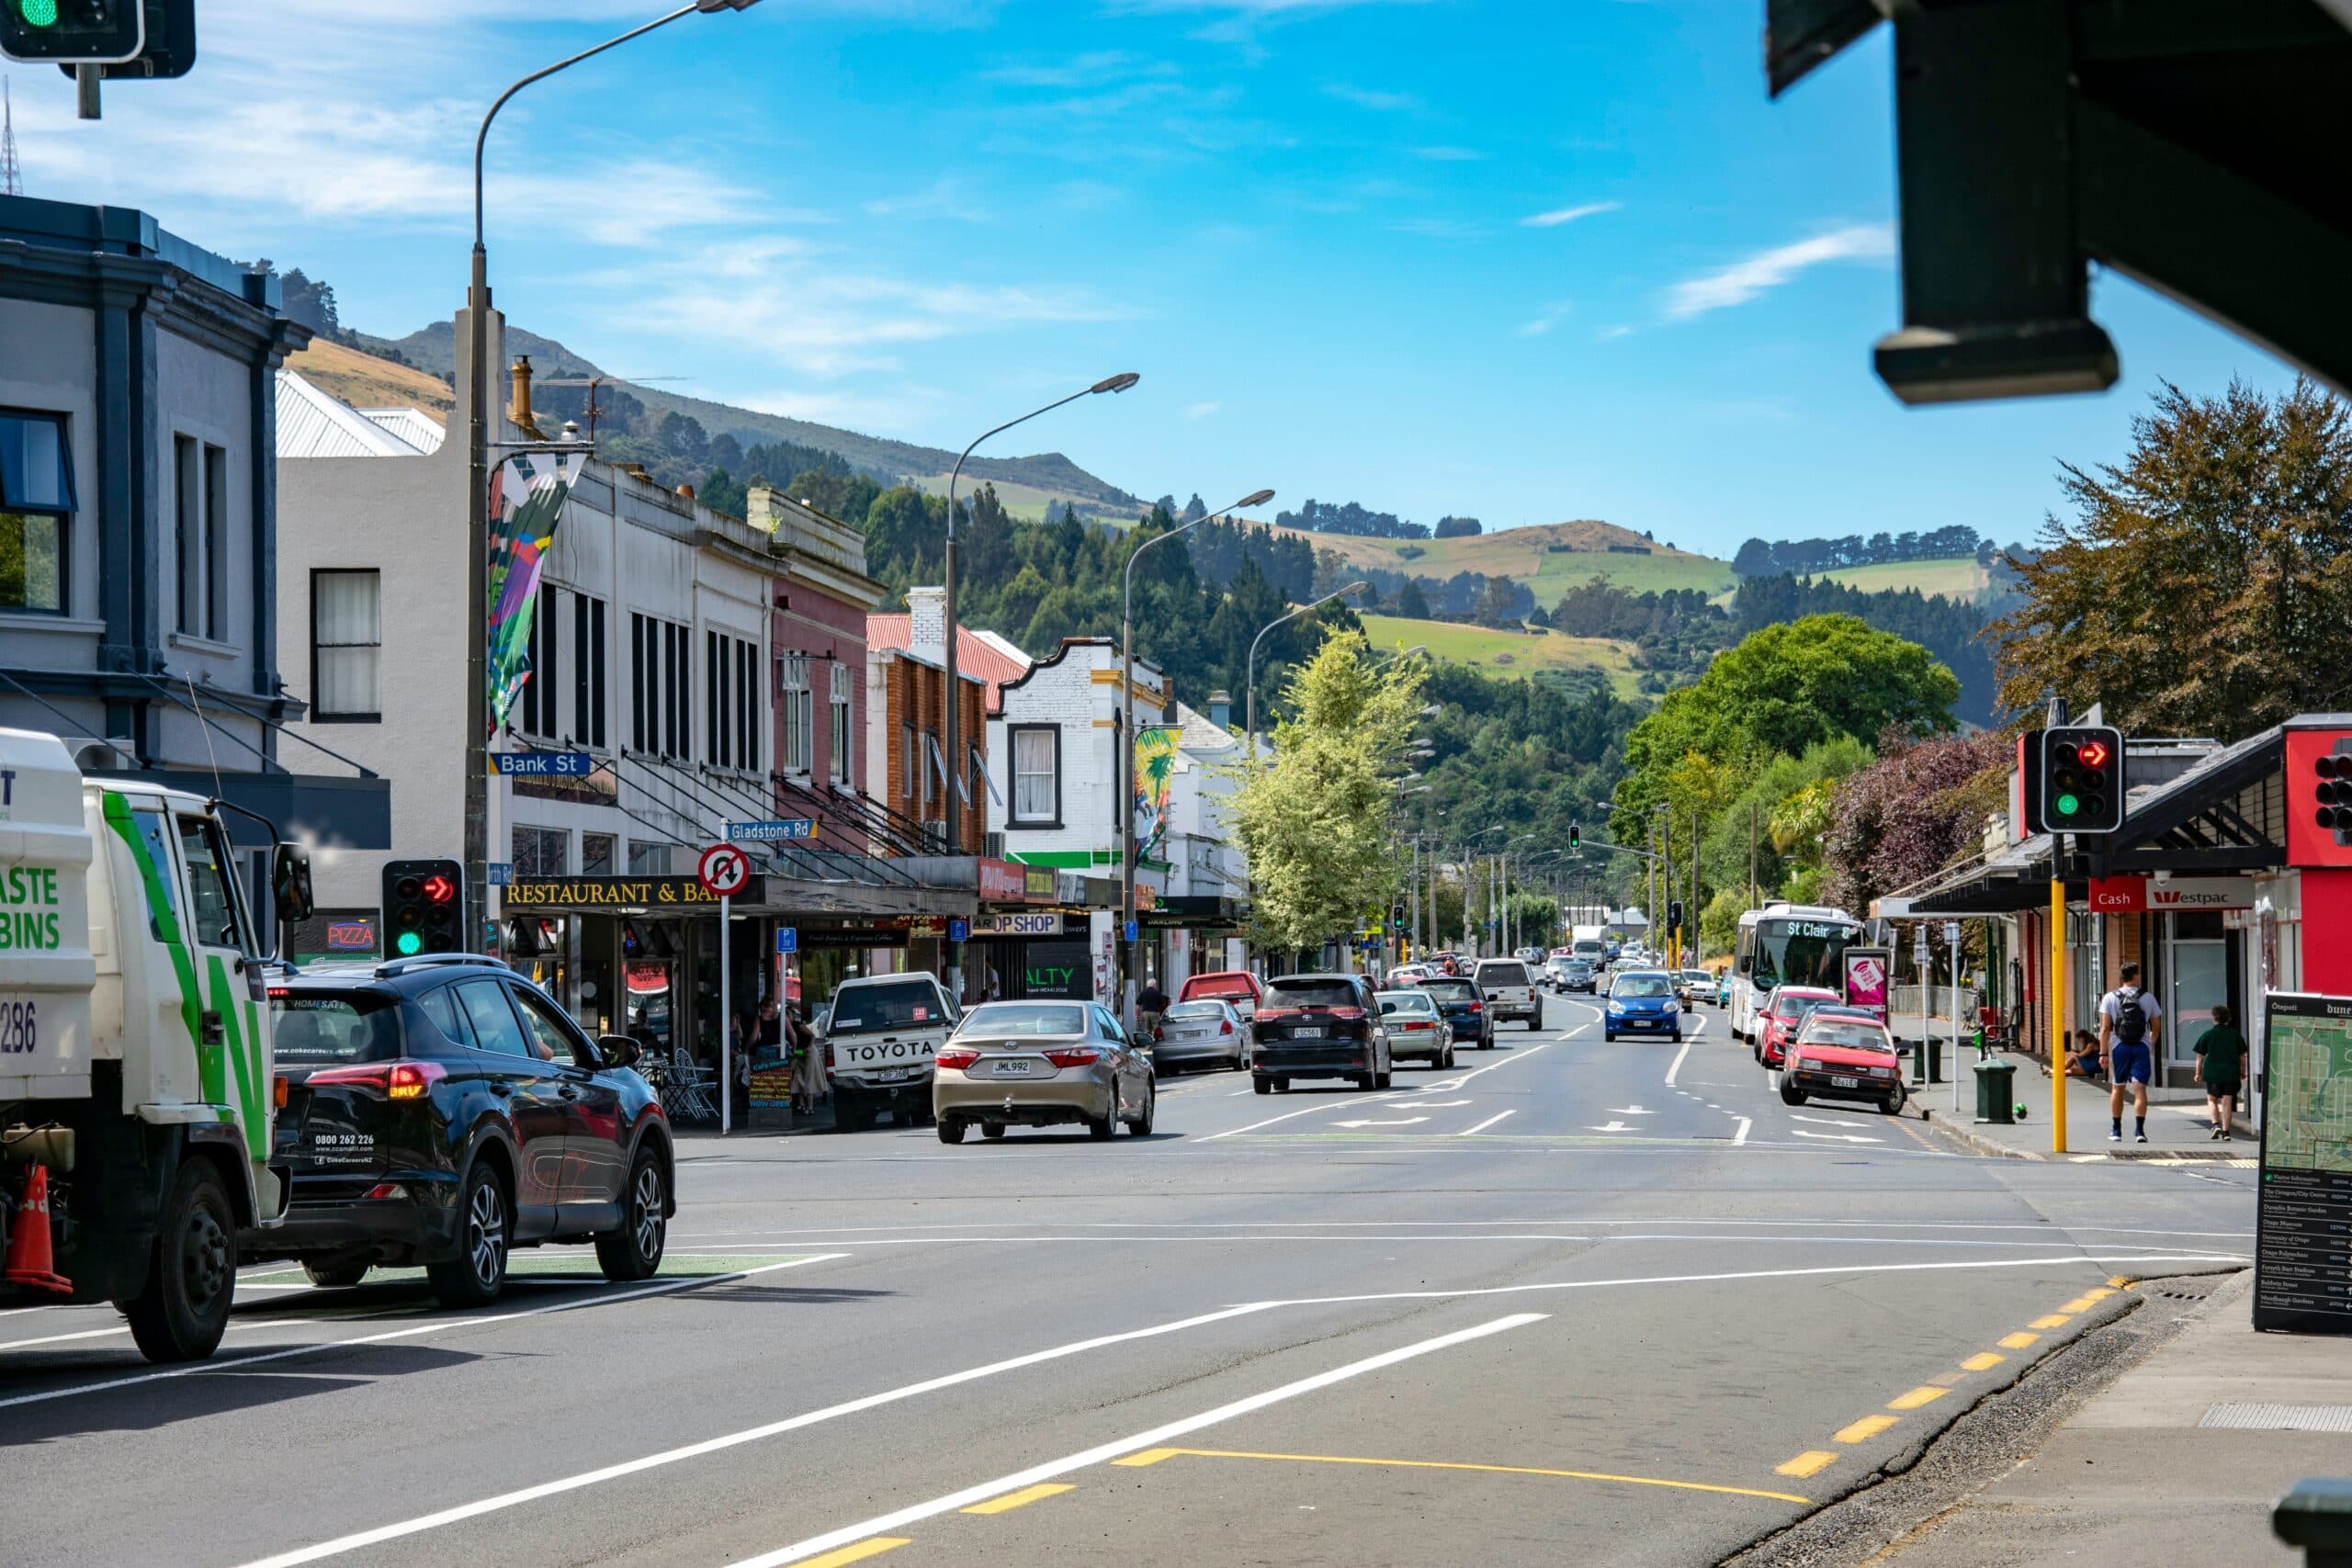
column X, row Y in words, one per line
column 477, row 799
column 1123, row 765
column 1251, row 669
column 948, row 728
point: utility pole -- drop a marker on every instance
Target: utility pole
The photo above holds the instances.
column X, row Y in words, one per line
column 1751, row 854
column 2058, row 717
column 1692, row 912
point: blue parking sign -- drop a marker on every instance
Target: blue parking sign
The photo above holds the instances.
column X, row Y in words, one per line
column 959, row 931
column 788, row 939
column 1132, row 928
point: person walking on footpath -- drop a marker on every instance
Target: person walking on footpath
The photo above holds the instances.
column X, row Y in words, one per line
column 2221, row 1067
column 1151, row 1002
column 2128, row 1024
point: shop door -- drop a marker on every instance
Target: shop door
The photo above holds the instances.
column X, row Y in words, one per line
column 2198, row 969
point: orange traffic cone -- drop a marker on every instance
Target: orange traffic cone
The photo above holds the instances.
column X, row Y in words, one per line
column 28, row 1255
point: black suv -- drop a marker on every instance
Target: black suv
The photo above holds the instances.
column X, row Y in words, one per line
column 1319, row 1026
column 441, row 1110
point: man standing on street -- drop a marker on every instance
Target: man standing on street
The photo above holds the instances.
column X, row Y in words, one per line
column 1151, row 1002
column 2128, row 1024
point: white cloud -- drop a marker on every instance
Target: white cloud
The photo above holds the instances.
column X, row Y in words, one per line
column 1743, row 280
column 1202, row 410
column 1560, row 215
column 1373, row 99
column 1550, row 316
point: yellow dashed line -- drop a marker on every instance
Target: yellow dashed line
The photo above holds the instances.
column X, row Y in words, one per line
column 1020, row 1499
column 2018, row 1341
column 2083, row 1303
column 1983, row 1362
column 1925, row 1393
column 1148, row 1456
column 1153, row 1456
column 1812, row 1461
column 1866, row 1427
column 2120, row 1282
column 2051, row 1320
column 858, row 1551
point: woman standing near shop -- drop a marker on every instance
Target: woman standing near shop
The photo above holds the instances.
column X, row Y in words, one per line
column 809, row 1083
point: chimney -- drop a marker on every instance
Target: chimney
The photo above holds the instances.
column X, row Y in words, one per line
column 520, row 410
column 685, row 492
column 1221, row 709
column 927, row 622
column 759, row 508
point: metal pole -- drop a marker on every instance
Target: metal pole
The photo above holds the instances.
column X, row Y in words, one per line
column 2058, row 993
column 1691, row 913
column 726, row 1028
column 1953, row 929
column 1415, row 892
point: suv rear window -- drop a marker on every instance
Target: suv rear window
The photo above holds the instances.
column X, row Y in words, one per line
column 1451, row 990
column 1504, row 974
column 1313, row 993
column 1217, row 985
column 321, row 1029
column 892, row 1004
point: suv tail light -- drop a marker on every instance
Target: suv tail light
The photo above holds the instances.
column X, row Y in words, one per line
column 1478, row 1007
column 956, row 1056
column 1074, row 1057
column 398, row 1080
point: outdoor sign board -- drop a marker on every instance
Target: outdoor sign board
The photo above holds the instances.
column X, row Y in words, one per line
column 1867, row 970
column 651, row 893
column 1001, row 882
column 1017, row 922
column 2303, row 1246
column 502, row 873
column 776, row 831
column 788, row 939
column 1041, row 883
column 2142, row 895
column 546, row 765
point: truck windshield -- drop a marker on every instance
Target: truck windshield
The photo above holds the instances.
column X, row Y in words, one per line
column 320, row 1030
column 892, row 1004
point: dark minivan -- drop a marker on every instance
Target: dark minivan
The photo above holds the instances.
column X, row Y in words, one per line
column 1319, row 1026
column 443, row 1111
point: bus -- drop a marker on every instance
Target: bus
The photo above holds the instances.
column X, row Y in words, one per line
column 1785, row 943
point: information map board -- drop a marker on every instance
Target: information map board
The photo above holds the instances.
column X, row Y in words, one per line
column 2302, row 1270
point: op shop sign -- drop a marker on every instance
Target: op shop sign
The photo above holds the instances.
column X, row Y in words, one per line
column 2142, row 895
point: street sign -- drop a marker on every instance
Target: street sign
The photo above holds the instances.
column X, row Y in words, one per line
column 502, row 873
column 770, row 833
column 723, row 869
column 959, row 931
column 788, row 939
column 1952, row 934
column 1131, row 930
column 545, row 764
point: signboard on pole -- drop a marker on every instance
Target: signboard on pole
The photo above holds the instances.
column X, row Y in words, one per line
column 723, row 869
column 788, row 939
column 502, row 873
column 776, row 831
column 1865, row 978
column 544, row 764
column 2302, row 1243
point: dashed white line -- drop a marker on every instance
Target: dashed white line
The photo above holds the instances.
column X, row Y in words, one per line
column 1484, row 1125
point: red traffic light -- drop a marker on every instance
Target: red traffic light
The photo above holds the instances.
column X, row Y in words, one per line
column 439, row 889
column 2092, row 754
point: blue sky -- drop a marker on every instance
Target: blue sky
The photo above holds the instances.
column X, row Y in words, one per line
column 1525, row 262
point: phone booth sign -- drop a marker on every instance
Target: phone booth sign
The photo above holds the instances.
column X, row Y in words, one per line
column 1866, row 979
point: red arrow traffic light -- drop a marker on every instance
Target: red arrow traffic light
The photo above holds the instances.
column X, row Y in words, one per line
column 439, row 889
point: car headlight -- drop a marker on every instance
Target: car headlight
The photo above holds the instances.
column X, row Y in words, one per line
column 1617, row 1006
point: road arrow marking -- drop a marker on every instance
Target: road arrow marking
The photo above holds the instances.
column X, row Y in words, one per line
column 1630, row 1110
column 1839, row 1138
column 1828, row 1122
column 1615, row 1126
column 1393, row 1122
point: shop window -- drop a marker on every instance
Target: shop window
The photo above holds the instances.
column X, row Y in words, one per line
column 659, row 682
column 36, row 511
column 1036, row 774
column 596, row 855
column 347, row 647
column 541, row 852
column 795, row 737
column 650, row 859
column 840, row 679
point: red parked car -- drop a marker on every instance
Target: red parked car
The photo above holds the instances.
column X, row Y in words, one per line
column 1838, row 1056
column 1238, row 987
column 1776, row 1026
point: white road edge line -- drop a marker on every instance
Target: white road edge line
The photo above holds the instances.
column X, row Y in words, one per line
column 1672, row 1071
column 731, row 1440
column 1448, row 1086
column 1741, row 1136
column 1103, row 1452
column 660, row 1287
column 1484, row 1125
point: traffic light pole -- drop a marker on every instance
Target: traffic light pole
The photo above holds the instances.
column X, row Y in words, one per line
column 2058, row 993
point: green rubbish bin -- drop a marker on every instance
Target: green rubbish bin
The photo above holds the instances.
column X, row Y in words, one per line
column 1994, row 1079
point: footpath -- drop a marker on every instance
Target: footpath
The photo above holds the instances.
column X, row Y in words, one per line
column 2177, row 1124
column 2179, row 1461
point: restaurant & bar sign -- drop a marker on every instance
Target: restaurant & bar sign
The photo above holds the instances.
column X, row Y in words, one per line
column 620, row 893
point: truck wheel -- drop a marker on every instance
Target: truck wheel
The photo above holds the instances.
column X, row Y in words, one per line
column 851, row 1113
column 192, row 1274
column 632, row 1249
column 335, row 1276
column 485, row 1231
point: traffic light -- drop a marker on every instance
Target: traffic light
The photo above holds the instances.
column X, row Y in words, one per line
column 1396, row 911
column 2082, row 779
column 169, row 51
column 71, row 32
column 1674, row 914
column 425, row 901
column 1576, row 837
column 2332, row 793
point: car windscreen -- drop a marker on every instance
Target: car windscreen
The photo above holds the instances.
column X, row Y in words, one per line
column 1503, row 975
column 1451, row 990
column 1022, row 1019
column 322, row 1029
column 1642, row 986
column 1406, row 1002
column 1311, row 993
column 1195, row 1010
column 903, row 1004
column 1846, row 1036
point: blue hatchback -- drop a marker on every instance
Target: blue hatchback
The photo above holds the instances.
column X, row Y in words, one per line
column 1642, row 1001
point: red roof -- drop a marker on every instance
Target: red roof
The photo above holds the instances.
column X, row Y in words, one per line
column 975, row 655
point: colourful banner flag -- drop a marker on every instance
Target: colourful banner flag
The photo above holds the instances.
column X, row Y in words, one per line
column 1154, row 774
column 526, row 496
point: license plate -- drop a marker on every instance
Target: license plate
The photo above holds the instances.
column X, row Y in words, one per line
column 1307, row 1035
column 1837, row 1080
column 1016, row 1070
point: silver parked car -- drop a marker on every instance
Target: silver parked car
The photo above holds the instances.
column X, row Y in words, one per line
column 1204, row 1033
column 1417, row 1030
column 1038, row 1064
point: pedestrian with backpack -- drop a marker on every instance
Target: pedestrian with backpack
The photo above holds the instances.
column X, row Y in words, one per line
column 2128, row 1024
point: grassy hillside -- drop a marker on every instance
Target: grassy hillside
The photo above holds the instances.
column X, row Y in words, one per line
column 1535, row 654
column 366, row 382
column 1960, row 578
column 1529, row 556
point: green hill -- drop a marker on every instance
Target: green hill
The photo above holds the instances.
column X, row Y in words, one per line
column 1537, row 655
column 1546, row 557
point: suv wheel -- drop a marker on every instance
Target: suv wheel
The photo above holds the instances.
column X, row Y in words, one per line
column 335, row 1276
column 1261, row 1085
column 632, row 1250
column 951, row 1131
column 485, row 1230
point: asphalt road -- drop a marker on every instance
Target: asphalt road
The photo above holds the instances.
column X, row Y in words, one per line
column 1570, row 1303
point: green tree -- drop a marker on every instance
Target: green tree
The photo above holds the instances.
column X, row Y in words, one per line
column 2206, row 580
column 1315, row 824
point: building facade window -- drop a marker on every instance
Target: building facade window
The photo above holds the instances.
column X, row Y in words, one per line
column 1036, row 774
column 542, row 852
column 564, row 700
column 796, row 735
column 596, row 855
column 731, row 725
column 648, row 860
column 907, row 760
column 841, row 682
column 36, row 511
column 587, row 661
column 347, row 646
column 659, row 682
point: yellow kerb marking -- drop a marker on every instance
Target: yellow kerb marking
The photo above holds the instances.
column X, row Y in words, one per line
column 1020, row 1499
column 2082, row 1304
column 1983, row 1362
column 1812, row 1461
column 858, row 1551
column 2019, row 1341
column 2120, row 1281
column 2052, row 1320
column 1925, row 1393
column 1153, row 1456
column 2098, row 1296
column 1866, row 1427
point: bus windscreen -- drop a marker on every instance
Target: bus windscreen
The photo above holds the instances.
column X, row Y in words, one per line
column 1800, row 952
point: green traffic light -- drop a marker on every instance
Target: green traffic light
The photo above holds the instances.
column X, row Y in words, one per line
column 2068, row 806
column 38, row 13
column 410, row 943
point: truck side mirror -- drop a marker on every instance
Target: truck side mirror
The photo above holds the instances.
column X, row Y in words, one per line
column 289, row 882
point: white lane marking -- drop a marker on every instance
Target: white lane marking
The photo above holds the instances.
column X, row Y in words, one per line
column 1374, row 1122
column 2039, row 1227
column 1672, row 1071
column 1453, row 1084
column 1741, row 1136
column 660, row 1287
column 1837, row 1137
column 1486, row 1124
column 1428, row 1104
column 1615, row 1126
column 1302, row 1111
column 504, row 1500
column 61, row 1338
column 1630, row 1110
column 1134, row 1443
column 1828, row 1122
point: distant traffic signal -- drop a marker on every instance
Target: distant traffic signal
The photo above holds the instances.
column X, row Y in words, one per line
column 2082, row 779
column 425, row 901
column 1674, row 914
column 1576, row 837
column 1396, row 916
column 71, row 32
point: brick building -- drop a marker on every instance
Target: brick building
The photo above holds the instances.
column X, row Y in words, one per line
column 906, row 760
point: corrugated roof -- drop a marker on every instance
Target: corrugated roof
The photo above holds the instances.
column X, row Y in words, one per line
column 313, row 423
column 414, row 425
column 982, row 654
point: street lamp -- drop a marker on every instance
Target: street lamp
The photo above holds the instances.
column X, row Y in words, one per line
column 1251, row 669
column 1123, row 765
column 956, row 769
column 1376, row 662
column 477, row 618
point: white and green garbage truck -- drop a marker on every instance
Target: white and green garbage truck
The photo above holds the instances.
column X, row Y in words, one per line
column 136, row 1082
